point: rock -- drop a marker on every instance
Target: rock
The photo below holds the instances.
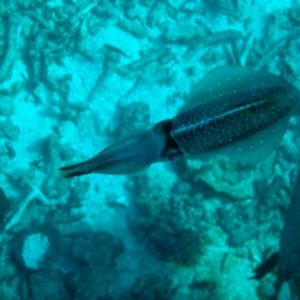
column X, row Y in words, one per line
column 9, row 130
column 36, row 249
column 88, row 283
column 175, row 3
column 182, row 33
column 4, row 204
column 168, row 221
column 132, row 118
column 99, row 250
column 48, row 285
column 227, row 176
column 239, row 223
column 151, row 287
column 6, row 106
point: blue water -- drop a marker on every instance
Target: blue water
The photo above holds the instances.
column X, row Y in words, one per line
column 77, row 75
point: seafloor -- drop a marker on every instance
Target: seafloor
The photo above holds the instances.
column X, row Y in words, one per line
column 76, row 75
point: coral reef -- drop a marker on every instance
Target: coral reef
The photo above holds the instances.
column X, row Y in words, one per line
column 168, row 222
column 36, row 249
column 4, row 205
column 76, row 74
column 88, row 283
column 54, row 288
column 95, row 254
column 151, row 287
column 131, row 118
column 97, row 249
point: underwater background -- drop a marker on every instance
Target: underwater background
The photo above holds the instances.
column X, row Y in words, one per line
column 77, row 75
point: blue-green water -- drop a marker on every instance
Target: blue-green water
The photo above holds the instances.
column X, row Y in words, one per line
column 76, row 76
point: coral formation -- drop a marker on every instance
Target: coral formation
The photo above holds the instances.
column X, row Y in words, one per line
column 76, row 74
column 151, row 287
column 54, row 289
column 169, row 224
column 131, row 118
column 97, row 249
column 36, row 249
column 4, row 205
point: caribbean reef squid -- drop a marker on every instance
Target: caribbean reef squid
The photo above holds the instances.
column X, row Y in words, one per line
column 233, row 111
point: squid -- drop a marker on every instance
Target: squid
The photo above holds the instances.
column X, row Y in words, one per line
column 233, row 111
